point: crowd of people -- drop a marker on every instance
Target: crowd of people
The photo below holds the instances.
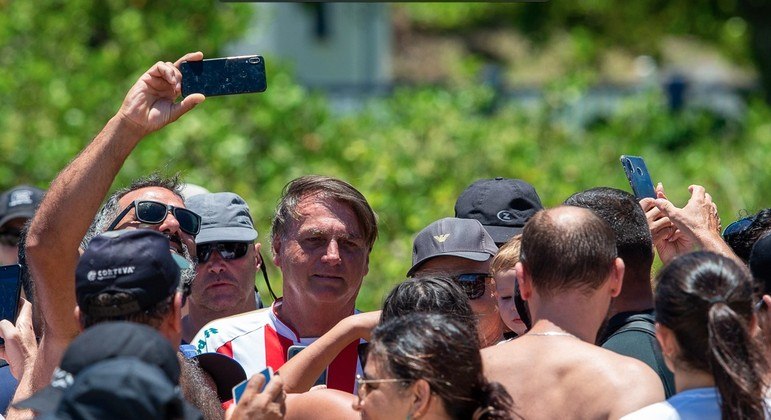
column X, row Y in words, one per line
column 143, row 304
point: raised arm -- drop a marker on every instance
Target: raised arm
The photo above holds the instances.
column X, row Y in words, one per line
column 301, row 372
column 73, row 199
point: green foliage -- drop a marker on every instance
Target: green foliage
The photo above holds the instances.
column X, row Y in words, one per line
column 411, row 153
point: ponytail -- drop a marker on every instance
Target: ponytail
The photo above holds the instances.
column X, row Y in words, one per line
column 495, row 402
column 735, row 362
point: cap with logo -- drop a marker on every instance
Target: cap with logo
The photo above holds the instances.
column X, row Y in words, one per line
column 224, row 218
column 105, row 341
column 136, row 262
column 451, row 236
column 19, row 202
column 502, row 205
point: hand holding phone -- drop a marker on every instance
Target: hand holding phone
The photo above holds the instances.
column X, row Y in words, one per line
column 638, row 176
column 224, row 76
column 238, row 390
column 10, row 291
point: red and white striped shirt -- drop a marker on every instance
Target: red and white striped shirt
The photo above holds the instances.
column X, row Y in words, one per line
column 258, row 339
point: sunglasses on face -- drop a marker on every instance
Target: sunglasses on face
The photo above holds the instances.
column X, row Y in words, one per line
column 227, row 250
column 472, row 283
column 10, row 237
column 153, row 213
column 738, row 226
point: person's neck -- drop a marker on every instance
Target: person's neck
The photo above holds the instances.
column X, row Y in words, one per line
column 198, row 317
column 636, row 296
column 692, row 379
column 309, row 318
column 568, row 315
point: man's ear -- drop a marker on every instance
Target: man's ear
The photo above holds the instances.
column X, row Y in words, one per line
column 275, row 247
column 421, row 398
column 524, row 281
column 257, row 260
column 617, row 277
column 174, row 320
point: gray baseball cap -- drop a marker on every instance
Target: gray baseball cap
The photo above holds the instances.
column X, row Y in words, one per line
column 464, row 238
column 224, row 218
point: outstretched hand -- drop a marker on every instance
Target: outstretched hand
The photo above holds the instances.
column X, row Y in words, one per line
column 268, row 404
column 667, row 238
column 150, row 103
column 20, row 347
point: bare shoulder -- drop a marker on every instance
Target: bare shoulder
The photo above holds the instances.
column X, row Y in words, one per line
column 321, row 404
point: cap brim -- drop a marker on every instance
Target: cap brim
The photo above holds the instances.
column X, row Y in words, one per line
column 226, row 234
column 44, row 401
column 470, row 255
column 502, row 234
column 20, row 214
column 225, row 371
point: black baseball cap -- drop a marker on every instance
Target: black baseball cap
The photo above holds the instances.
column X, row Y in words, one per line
column 760, row 264
column 19, row 203
column 137, row 262
column 451, row 236
column 105, row 341
column 224, row 370
column 502, row 205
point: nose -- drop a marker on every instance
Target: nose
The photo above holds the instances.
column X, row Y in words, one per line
column 216, row 264
column 332, row 254
column 170, row 225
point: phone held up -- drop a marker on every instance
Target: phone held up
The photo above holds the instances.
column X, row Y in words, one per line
column 638, row 176
column 224, row 76
column 10, row 292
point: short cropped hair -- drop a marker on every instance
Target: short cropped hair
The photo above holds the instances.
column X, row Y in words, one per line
column 507, row 256
column 576, row 253
column 323, row 187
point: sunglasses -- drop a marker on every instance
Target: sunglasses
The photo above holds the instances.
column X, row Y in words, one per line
column 738, row 226
column 472, row 283
column 10, row 237
column 227, row 250
column 153, row 213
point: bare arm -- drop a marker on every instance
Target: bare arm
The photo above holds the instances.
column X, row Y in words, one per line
column 301, row 372
column 74, row 197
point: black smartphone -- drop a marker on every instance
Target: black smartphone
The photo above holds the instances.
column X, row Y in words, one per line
column 292, row 352
column 638, row 176
column 10, row 292
column 224, row 76
column 522, row 309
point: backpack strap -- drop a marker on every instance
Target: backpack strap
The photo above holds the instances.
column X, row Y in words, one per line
column 641, row 323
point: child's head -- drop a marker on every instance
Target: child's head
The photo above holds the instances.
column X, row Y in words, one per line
column 502, row 269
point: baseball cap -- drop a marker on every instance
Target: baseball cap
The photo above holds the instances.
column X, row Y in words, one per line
column 224, row 370
column 19, row 202
column 464, row 238
column 137, row 262
column 105, row 341
column 760, row 264
column 502, row 205
column 122, row 388
column 224, row 218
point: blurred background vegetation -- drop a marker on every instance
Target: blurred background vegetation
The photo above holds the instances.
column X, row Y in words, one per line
column 67, row 66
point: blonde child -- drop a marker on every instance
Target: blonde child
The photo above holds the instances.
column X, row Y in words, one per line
column 502, row 270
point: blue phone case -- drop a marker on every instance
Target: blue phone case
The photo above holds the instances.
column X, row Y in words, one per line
column 638, row 176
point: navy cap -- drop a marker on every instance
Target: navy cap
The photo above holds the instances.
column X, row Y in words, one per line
column 224, row 370
column 224, row 218
column 105, row 341
column 19, row 202
column 502, row 205
column 137, row 262
column 760, row 264
column 464, row 238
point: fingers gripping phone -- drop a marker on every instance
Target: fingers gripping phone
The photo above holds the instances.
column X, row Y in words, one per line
column 10, row 291
column 224, row 76
column 638, row 176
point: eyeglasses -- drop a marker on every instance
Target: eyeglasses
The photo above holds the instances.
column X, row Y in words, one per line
column 472, row 283
column 738, row 226
column 10, row 237
column 364, row 386
column 153, row 212
column 227, row 250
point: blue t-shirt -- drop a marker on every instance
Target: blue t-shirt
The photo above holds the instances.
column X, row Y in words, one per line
column 8, row 386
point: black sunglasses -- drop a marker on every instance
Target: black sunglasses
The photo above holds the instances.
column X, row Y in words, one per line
column 153, row 212
column 738, row 226
column 10, row 237
column 472, row 283
column 227, row 250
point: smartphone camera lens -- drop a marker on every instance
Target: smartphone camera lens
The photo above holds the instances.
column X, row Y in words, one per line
column 639, row 171
column 254, row 60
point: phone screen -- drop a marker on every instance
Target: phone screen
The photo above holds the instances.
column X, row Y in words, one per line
column 10, row 289
column 639, row 179
column 292, row 352
column 224, row 76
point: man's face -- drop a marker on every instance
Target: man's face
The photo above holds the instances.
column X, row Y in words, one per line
column 324, row 255
column 9, row 240
column 169, row 226
column 486, row 306
column 221, row 285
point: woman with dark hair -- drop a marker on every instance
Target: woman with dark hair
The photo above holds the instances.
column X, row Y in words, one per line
column 425, row 365
column 704, row 314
